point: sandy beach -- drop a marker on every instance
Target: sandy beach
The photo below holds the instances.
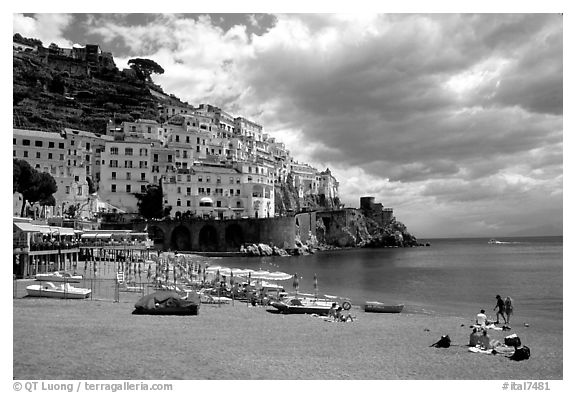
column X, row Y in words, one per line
column 91, row 339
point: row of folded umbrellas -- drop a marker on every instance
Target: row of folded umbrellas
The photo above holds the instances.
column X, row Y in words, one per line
column 253, row 274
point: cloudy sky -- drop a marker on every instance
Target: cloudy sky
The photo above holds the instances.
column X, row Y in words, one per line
column 454, row 120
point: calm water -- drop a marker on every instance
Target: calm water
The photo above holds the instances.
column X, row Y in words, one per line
column 453, row 276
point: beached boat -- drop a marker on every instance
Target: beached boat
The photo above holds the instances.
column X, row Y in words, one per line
column 58, row 277
column 299, row 305
column 168, row 303
column 63, row 291
column 383, row 308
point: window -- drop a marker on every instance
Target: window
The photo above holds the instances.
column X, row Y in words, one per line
column 61, row 145
column 26, row 142
column 128, row 151
column 51, row 145
column 207, row 179
column 218, row 203
column 127, row 164
column 38, row 143
column 238, row 204
column 87, row 145
column 199, row 179
column 128, row 188
column 237, row 180
column 178, row 202
column 197, row 149
column 184, row 153
column 188, row 138
column 113, row 163
column 61, row 157
column 169, row 157
column 231, row 191
column 113, row 175
column 178, row 190
column 13, row 141
column 208, row 191
column 128, row 176
column 88, row 157
column 188, row 203
column 155, row 157
column 188, row 178
column 76, row 178
column 79, row 190
column 67, row 189
column 178, row 140
column 143, row 189
column 249, row 169
column 114, row 151
column 72, row 142
column 177, row 153
column 188, row 190
column 237, row 192
column 37, row 154
column 249, row 179
column 200, row 190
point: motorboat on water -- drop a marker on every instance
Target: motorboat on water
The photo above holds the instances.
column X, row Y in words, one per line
column 59, row 277
column 494, row 241
column 306, row 305
column 383, row 308
column 62, row 291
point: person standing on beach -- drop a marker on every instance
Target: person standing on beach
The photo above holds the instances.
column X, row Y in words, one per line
column 500, row 307
column 508, row 308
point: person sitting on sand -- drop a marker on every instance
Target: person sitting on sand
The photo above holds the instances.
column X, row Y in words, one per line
column 342, row 318
column 481, row 318
column 332, row 311
column 475, row 337
column 486, row 342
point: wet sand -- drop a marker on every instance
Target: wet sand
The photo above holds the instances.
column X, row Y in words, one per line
column 91, row 339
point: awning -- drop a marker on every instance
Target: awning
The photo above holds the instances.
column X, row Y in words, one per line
column 46, row 229
column 88, row 236
column 26, row 227
column 104, row 235
column 206, row 200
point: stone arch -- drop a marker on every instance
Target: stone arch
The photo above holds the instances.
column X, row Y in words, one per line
column 208, row 238
column 234, row 236
column 157, row 235
column 181, row 238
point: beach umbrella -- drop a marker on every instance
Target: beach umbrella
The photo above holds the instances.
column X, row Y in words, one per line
column 296, row 283
column 149, row 272
column 203, row 275
column 249, row 277
column 315, row 285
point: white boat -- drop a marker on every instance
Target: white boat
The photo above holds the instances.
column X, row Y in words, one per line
column 62, row 291
column 306, row 305
column 383, row 308
column 58, row 277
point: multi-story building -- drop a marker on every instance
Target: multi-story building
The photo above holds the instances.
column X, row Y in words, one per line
column 61, row 157
column 125, row 171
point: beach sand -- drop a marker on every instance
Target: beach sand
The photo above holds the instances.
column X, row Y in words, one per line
column 91, row 339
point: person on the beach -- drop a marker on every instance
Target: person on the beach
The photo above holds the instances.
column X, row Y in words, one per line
column 508, row 308
column 500, row 307
column 484, row 340
column 342, row 318
column 481, row 318
column 475, row 337
column 332, row 311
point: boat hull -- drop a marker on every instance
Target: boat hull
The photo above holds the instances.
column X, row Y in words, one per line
column 47, row 277
column 57, row 294
column 287, row 309
column 383, row 308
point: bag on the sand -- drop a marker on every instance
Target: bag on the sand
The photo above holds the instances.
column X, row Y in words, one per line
column 444, row 342
column 512, row 340
column 521, row 353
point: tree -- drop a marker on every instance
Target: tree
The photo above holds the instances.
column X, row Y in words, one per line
column 23, row 178
column 145, row 67
column 150, row 202
column 41, row 189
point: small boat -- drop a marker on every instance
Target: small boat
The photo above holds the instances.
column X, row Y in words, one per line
column 58, row 277
column 383, row 308
column 296, row 305
column 168, row 303
column 63, row 291
column 494, row 241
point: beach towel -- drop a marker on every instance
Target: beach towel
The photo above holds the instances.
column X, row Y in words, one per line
column 480, row 350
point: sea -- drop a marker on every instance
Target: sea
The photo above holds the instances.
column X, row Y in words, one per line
column 455, row 277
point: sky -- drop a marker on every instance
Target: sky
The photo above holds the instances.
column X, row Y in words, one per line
column 453, row 120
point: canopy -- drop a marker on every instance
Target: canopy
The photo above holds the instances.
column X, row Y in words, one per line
column 206, row 200
column 26, row 227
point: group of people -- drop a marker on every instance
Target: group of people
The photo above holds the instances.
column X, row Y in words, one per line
column 503, row 308
column 479, row 335
column 335, row 312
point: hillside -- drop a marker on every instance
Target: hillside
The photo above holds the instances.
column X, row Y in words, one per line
column 46, row 97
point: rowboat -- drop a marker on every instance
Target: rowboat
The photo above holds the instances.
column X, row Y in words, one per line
column 63, row 291
column 383, row 308
column 58, row 277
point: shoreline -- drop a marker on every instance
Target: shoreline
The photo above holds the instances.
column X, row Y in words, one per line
column 242, row 342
